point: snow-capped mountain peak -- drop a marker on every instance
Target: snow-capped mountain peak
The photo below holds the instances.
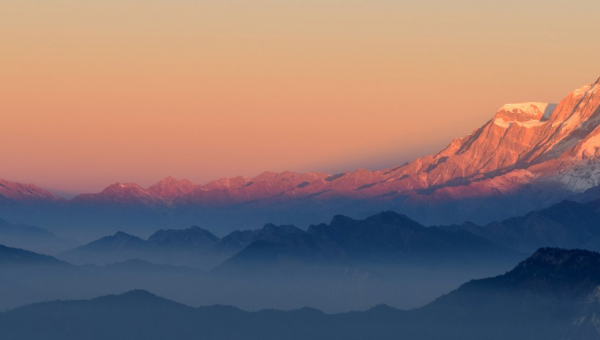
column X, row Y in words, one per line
column 523, row 112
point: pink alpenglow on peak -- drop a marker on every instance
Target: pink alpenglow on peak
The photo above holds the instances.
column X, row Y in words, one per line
column 126, row 194
column 25, row 193
column 170, row 188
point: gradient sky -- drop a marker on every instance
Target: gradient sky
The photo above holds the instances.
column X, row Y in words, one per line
column 95, row 92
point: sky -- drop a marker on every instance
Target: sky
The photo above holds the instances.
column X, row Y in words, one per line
column 98, row 92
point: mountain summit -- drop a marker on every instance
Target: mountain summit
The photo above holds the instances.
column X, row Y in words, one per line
column 170, row 188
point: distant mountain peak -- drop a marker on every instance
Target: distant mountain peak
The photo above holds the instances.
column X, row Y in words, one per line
column 170, row 188
column 341, row 219
column 389, row 215
column 123, row 194
column 121, row 186
column 193, row 236
column 138, row 294
column 124, row 235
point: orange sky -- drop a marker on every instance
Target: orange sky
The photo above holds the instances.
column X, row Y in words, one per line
column 95, row 92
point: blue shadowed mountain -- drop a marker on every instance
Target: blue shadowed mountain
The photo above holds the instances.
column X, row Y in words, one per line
column 385, row 238
column 19, row 257
column 189, row 247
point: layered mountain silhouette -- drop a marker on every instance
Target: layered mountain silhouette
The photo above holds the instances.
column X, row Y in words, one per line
column 27, row 277
column 191, row 247
column 300, row 263
column 551, row 295
column 385, row 238
column 526, row 157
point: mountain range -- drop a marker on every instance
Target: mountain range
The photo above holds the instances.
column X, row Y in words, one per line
column 528, row 156
column 553, row 294
column 193, row 247
column 386, row 238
